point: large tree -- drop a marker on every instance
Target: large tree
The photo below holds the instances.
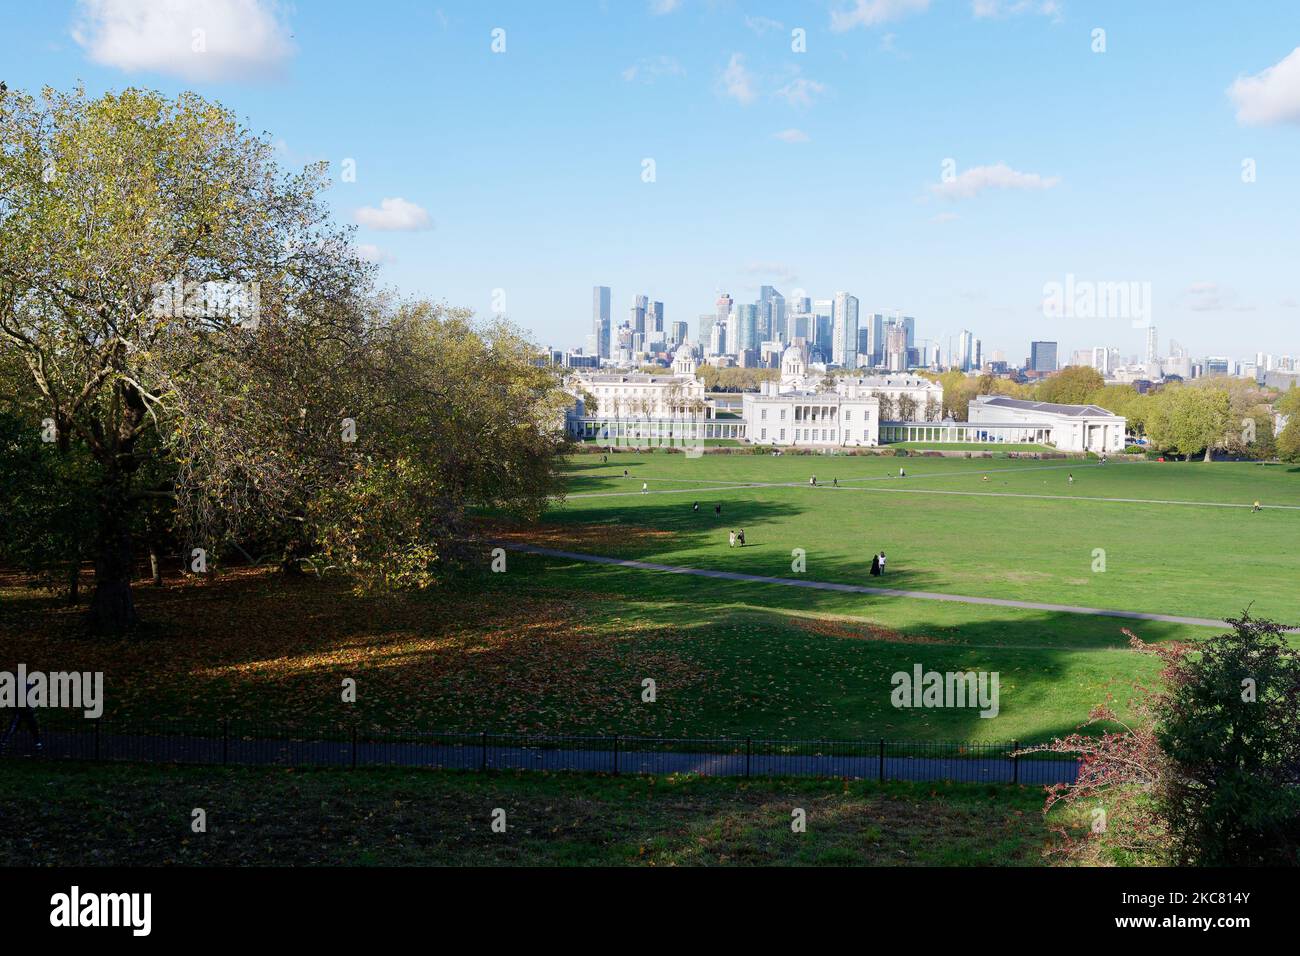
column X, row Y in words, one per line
column 144, row 243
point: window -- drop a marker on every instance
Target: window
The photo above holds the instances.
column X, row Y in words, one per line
column 782, row 434
column 763, row 415
column 762, row 433
column 848, row 414
column 783, row 414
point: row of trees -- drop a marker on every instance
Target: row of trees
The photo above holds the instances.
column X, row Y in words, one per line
column 1221, row 414
column 193, row 356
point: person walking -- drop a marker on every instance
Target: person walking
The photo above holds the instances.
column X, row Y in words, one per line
column 731, row 539
column 740, row 537
column 813, row 481
column 875, row 565
column 696, row 506
column 835, row 482
column 625, row 474
column 882, row 564
column 25, row 716
column 717, row 511
column 901, row 472
column 1071, row 479
column 1255, row 507
column 645, row 487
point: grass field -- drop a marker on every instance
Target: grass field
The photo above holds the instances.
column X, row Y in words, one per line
column 142, row 817
column 562, row 646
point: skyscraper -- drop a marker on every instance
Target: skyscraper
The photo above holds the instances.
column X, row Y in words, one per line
column 600, row 320
column 640, row 305
column 723, row 311
column 875, row 327
column 1153, row 346
column 965, row 351
column 1042, row 356
column 844, row 344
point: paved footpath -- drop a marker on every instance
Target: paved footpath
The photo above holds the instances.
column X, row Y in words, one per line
column 860, row 588
column 858, row 760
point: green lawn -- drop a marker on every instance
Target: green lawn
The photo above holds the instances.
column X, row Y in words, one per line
column 562, row 646
column 142, row 817
column 1006, row 528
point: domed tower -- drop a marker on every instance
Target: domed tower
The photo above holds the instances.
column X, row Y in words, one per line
column 684, row 361
column 793, row 367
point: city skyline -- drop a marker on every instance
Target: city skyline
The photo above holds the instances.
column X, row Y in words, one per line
column 880, row 146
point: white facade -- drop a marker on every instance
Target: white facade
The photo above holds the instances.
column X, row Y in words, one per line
column 1066, row 427
column 641, row 395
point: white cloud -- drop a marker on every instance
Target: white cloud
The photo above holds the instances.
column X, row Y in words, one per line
column 791, row 136
column 977, row 179
column 649, row 69
column 737, row 82
column 984, row 9
column 660, row 7
column 761, row 25
column 192, row 39
column 372, row 253
column 394, row 215
column 870, row 13
column 1272, row 96
column 801, row 91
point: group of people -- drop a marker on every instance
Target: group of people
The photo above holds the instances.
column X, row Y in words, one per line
column 878, row 564
column 737, row 538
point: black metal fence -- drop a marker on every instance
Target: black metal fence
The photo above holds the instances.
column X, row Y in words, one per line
column 347, row 746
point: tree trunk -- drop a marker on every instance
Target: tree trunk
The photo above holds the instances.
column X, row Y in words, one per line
column 155, row 564
column 112, row 608
column 74, row 582
column 1208, row 449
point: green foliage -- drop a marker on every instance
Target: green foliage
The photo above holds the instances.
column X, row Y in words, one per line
column 48, row 502
column 1188, row 420
column 1229, row 723
column 1072, row 385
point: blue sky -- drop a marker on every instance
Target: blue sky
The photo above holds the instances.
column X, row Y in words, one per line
column 522, row 170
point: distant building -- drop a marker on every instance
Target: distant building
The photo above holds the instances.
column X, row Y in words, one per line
column 600, row 321
column 1067, row 427
column 1042, row 357
column 844, row 337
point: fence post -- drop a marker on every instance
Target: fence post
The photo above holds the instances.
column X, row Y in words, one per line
column 616, row 755
column 881, row 774
column 354, row 746
column 225, row 741
column 483, row 749
column 1015, row 761
column 749, row 752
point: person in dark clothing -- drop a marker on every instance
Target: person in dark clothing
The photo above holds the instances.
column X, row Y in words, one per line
column 696, row 506
column 717, row 511
column 740, row 537
column 25, row 716
column 875, row 565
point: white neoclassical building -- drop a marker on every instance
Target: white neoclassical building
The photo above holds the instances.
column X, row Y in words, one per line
column 1065, row 427
column 800, row 410
column 649, row 408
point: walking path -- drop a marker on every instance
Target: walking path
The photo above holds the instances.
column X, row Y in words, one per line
column 860, row 588
column 858, row 759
